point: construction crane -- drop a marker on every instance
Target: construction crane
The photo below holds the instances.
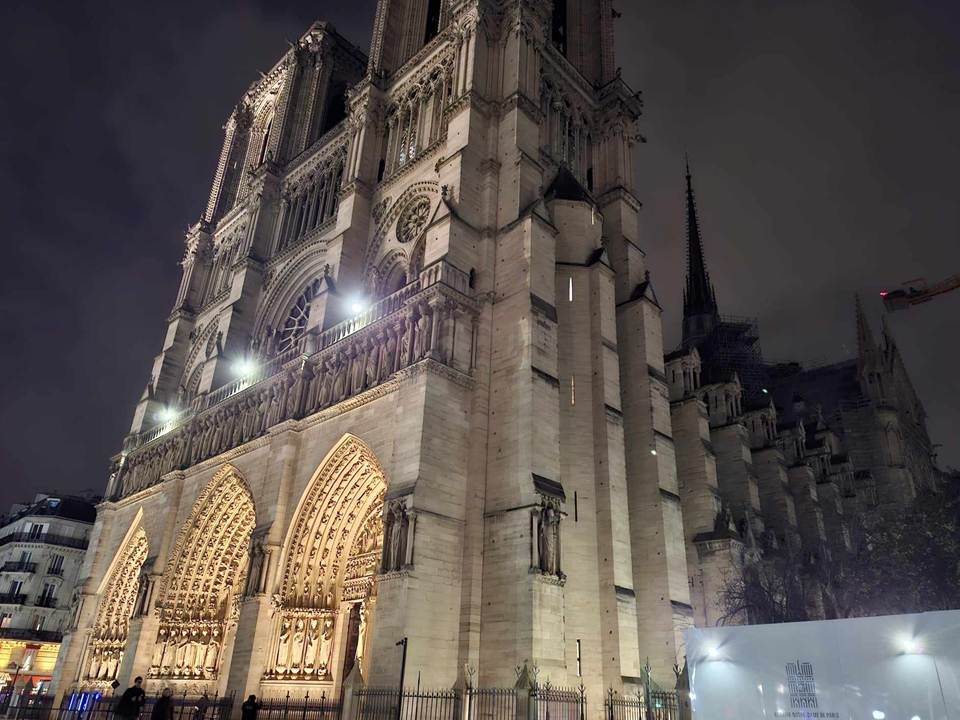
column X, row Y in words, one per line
column 917, row 291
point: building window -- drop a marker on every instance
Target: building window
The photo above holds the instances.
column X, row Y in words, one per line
column 433, row 21
column 47, row 598
column 36, row 530
column 25, row 556
column 559, row 26
column 5, row 620
column 15, row 587
column 56, row 564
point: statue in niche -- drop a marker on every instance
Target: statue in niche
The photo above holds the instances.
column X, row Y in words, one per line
column 256, row 568
column 94, row 670
column 283, row 647
column 296, row 646
column 189, row 654
column 180, row 655
column 143, row 587
column 327, row 383
column 326, row 640
column 420, row 339
column 395, row 550
column 340, row 377
column 211, row 655
column 549, row 539
column 373, row 357
column 109, row 668
column 358, row 364
column 295, row 383
column 403, row 334
column 313, row 639
column 388, row 342
column 362, row 633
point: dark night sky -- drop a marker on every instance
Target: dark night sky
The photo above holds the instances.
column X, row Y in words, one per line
column 822, row 135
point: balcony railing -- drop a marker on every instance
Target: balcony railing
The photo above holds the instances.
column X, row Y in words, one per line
column 45, row 539
column 12, row 599
column 45, row 601
column 30, row 634
column 18, row 566
column 58, row 571
column 431, row 318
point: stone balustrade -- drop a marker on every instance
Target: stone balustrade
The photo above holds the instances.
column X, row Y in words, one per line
column 430, row 319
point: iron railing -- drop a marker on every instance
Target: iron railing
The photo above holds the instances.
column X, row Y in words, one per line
column 95, row 706
column 305, row 708
column 657, row 705
column 19, row 566
column 31, row 634
column 45, row 539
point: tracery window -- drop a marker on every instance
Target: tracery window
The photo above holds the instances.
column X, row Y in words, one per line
column 310, row 204
column 296, row 323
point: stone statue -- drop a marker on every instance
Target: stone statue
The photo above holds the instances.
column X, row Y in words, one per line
column 396, row 555
column 94, row 670
column 210, row 657
column 549, row 540
column 326, row 639
column 313, row 639
column 297, row 645
column 373, row 358
column 283, row 647
column 362, row 634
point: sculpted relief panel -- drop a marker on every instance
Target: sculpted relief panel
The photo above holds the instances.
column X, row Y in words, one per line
column 113, row 615
column 200, row 589
column 329, row 565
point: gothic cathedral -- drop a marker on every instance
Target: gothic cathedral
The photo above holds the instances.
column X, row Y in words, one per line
column 413, row 386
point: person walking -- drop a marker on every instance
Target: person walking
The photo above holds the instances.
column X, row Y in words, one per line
column 249, row 710
column 132, row 700
column 200, row 709
column 163, row 707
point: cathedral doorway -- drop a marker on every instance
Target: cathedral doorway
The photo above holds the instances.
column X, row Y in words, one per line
column 197, row 602
column 330, row 559
column 118, row 598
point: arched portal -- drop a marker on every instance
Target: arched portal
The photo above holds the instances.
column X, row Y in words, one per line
column 118, row 599
column 199, row 592
column 330, row 561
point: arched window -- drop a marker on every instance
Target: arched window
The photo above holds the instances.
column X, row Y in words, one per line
column 296, row 323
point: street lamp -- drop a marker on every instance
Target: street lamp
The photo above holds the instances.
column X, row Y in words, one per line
column 403, row 669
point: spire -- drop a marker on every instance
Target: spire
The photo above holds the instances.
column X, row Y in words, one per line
column 865, row 343
column 699, row 296
column 699, row 300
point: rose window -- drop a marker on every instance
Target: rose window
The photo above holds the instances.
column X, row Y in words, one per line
column 413, row 219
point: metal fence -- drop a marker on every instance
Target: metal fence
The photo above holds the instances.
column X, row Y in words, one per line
column 658, row 705
column 94, row 706
column 558, row 703
column 306, row 708
column 391, row 704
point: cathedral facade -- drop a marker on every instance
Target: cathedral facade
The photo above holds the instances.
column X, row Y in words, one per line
column 413, row 386
column 410, row 384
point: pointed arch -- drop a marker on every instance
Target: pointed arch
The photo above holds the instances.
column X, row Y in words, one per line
column 329, row 562
column 118, row 592
column 197, row 599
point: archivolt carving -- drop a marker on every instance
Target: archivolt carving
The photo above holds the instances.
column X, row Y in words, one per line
column 330, row 560
column 113, row 615
column 198, row 592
